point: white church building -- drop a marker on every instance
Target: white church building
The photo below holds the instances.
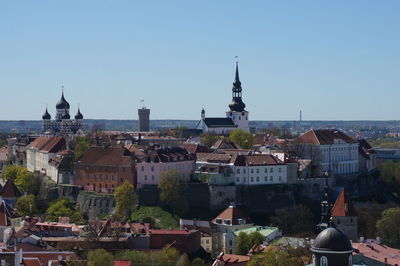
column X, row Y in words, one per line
column 236, row 116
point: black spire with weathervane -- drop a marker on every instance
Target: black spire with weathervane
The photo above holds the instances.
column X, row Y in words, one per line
column 237, row 103
column 326, row 207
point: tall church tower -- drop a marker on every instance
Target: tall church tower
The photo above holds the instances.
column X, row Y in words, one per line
column 237, row 112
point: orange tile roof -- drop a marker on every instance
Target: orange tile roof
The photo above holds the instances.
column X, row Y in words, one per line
column 232, row 213
column 49, row 144
column 10, row 190
column 343, row 206
column 378, row 252
column 324, row 136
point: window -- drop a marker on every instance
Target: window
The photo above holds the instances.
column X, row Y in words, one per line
column 272, row 170
column 252, row 179
column 237, row 171
column 244, row 170
column 266, row 178
column 237, row 179
column 145, row 177
column 280, row 170
column 142, row 168
column 227, row 221
column 251, row 171
column 258, row 179
column 112, row 177
column 230, row 243
column 323, row 261
column 218, row 221
column 240, row 117
column 265, row 170
column 271, row 178
column 152, row 177
column 152, row 168
column 257, row 171
column 244, row 179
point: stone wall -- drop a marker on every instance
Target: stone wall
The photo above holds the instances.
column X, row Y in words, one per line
column 93, row 205
column 221, row 196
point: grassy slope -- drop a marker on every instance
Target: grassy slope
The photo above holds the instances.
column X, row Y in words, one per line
column 163, row 219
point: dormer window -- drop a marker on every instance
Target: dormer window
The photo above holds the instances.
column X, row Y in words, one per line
column 218, row 221
column 227, row 221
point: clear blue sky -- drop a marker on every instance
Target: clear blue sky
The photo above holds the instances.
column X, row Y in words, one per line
column 332, row 59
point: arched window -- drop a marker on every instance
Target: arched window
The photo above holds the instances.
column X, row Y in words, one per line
column 323, row 261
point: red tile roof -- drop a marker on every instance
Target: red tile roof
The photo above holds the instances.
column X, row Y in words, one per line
column 122, row 263
column 116, row 156
column 7, row 213
column 343, row 206
column 215, row 157
column 232, row 213
column 225, row 144
column 233, row 259
column 378, row 252
column 258, row 159
column 49, row 144
column 324, row 136
column 10, row 190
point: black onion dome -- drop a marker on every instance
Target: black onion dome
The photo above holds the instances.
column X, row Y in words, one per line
column 78, row 115
column 332, row 239
column 62, row 103
column 46, row 115
column 237, row 105
column 66, row 116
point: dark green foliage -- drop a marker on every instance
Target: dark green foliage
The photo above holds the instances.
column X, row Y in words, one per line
column 100, row 257
column 297, row 220
column 244, row 139
column 26, row 205
column 167, row 257
column 209, row 138
column 244, row 242
column 22, row 178
column 275, row 257
column 198, row 262
column 388, row 227
column 172, row 191
column 126, row 200
column 368, row 216
column 63, row 207
column 80, row 146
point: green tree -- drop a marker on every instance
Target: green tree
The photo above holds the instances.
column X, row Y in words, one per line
column 166, row 257
column 296, row 220
column 100, row 257
column 26, row 205
column 244, row 139
column 177, row 132
column 183, row 260
column 22, row 178
column 368, row 216
column 80, row 146
column 275, row 257
column 244, row 242
column 126, row 200
column 172, row 191
column 209, row 138
column 198, row 262
column 388, row 227
column 63, row 207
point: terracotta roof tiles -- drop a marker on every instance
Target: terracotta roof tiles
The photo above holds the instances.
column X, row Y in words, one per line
column 343, row 206
column 324, row 137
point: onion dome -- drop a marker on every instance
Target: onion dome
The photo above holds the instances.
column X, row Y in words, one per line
column 66, row 115
column 62, row 103
column 46, row 115
column 78, row 115
column 332, row 240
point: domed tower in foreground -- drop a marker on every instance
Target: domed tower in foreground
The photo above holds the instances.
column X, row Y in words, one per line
column 332, row 248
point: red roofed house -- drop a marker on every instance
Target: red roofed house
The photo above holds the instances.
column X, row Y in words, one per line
column 231, row 260
column 371, row 252
column 331, row 150
column 39, row 258
column 344, row 215
column 228, row 221
column 8, row 219
column 122, row 263
column 103, row 169
column 186, row 241
column 41, row 153
column 10, row 193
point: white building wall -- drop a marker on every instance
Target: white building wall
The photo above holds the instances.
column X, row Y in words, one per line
column 261, row 175
column 149, row 173
column 339, row 158
column 241, row 119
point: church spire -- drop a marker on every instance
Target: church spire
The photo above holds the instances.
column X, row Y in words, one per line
column 237, row 103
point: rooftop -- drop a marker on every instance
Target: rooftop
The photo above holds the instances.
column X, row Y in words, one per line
column 263, row 230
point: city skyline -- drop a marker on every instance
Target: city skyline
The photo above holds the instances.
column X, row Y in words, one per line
column 333, row 61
